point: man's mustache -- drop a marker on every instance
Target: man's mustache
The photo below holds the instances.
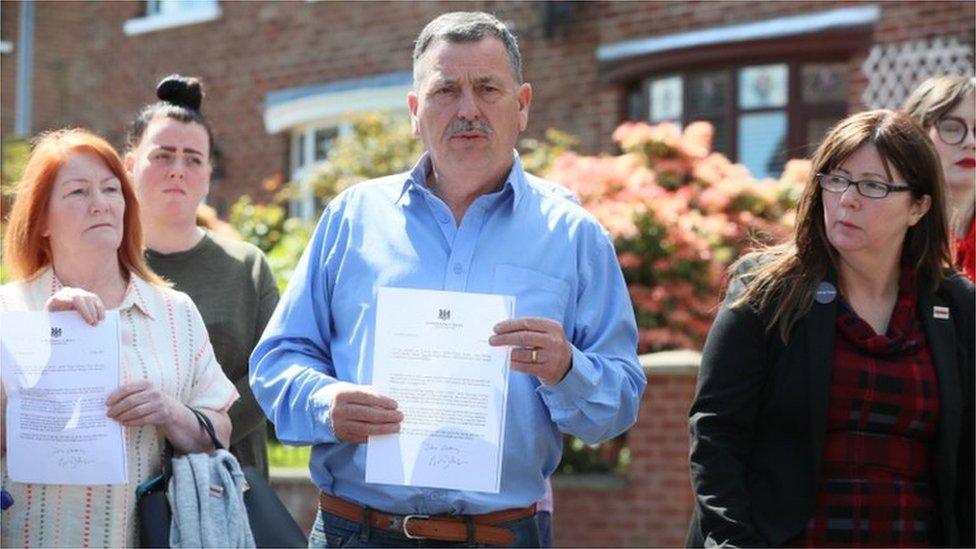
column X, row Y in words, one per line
column 470, row 126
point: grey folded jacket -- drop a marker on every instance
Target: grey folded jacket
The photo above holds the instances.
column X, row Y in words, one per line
column 207, row 499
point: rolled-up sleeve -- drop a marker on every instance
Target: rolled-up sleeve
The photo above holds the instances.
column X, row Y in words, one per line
column 291, row 370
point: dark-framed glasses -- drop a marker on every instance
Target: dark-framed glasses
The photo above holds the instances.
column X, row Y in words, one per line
column 834, row 183
column 952, row 130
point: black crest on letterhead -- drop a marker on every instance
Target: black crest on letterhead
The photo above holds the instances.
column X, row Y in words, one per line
column 55, row 331
column 444, row 314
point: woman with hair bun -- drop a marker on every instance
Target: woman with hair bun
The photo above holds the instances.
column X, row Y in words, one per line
column 834, row 404
column 170, row 152
column 946, row 107
column 74, row 242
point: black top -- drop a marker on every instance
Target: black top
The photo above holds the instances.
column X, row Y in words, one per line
column 759, row 420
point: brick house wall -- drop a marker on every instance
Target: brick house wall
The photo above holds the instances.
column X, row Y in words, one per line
column 88, row 72
column 8, row 65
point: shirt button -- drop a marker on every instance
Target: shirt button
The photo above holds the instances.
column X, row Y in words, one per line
column 458, row 269
column 444, row 220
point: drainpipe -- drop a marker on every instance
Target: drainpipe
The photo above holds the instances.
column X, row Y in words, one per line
column 25, row 73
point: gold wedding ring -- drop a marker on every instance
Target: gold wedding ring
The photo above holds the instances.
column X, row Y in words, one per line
column 535, row 355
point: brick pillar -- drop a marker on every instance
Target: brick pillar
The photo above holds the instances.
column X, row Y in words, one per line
column 651, row 505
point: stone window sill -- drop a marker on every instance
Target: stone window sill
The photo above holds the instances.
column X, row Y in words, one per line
column 163, row 21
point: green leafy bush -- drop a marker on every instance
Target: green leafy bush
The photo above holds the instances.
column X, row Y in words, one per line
column 14, row 159
column 288, row 457
column 378, row 145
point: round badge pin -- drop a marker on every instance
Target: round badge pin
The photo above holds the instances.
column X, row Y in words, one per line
column 826, row 292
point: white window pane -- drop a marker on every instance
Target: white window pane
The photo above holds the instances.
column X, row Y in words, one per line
column 154, row 7
column 666, row 100
column 762, row 143
column 307, row 206
column 763, row 86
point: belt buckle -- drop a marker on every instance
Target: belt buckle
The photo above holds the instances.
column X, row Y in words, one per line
column 406, row 521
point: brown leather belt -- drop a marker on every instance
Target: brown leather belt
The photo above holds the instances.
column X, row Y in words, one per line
column 474, row 528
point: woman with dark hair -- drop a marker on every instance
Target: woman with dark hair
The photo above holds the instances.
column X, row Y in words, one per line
column 74, row 242
column 170, row 152
column 835, row 397
column 946, row 107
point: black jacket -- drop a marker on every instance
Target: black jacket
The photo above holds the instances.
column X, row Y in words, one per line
column 759, row 420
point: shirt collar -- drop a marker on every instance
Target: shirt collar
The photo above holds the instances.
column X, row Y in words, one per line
column 417, row 178
column 136, row 292
column 137, row 295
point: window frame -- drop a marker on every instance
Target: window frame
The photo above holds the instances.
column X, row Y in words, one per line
column 303, row 203
column 798, row 113
column 201, row 12
column 836, row 44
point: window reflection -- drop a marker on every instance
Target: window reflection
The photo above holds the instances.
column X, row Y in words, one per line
column 763, row 86
column 824, row 82
column 666, row 99
column 762, row 143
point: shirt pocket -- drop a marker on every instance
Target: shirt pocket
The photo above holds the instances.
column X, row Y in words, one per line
column 536, row 294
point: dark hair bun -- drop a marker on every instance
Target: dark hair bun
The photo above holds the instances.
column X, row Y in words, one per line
column 184, row 91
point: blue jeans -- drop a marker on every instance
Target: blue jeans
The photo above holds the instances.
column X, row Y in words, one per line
column 333, row 531
column 544, row 519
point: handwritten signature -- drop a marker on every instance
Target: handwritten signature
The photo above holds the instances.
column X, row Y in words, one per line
column 446, row 462
column 444, row 456
column 71, row 458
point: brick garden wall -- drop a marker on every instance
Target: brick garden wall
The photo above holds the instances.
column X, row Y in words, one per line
column 652, row 505
column 89, row 73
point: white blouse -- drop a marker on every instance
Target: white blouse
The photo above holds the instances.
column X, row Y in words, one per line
column 164, row 341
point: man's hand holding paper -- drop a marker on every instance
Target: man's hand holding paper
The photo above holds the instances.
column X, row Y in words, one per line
column 539, row 347
column 358, row 412
column 432, row 355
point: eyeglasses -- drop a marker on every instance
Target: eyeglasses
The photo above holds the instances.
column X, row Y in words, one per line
column 834, row 183
column 952, row 130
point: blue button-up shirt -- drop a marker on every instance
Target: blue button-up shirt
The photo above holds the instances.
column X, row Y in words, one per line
column 525, row 240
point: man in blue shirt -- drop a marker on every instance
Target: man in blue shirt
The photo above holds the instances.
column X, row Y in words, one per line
column 467, row 218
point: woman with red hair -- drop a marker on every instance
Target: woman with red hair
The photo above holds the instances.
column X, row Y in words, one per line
column 74, row 242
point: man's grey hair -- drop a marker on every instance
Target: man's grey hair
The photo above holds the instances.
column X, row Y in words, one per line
column 466, row 26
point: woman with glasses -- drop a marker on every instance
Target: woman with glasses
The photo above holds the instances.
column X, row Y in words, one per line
column 835, row 396
column 946, row 108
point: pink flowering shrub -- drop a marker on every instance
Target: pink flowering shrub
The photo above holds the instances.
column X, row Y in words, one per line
column 679, row 215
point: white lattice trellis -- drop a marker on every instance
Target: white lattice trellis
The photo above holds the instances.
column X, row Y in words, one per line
column 894, row 70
